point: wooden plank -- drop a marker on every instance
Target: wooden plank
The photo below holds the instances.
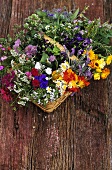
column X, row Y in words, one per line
column 70, row 138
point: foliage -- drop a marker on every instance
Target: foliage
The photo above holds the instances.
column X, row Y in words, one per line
column 55, row 51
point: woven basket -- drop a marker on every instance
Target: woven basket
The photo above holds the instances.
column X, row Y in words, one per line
column 51, row 106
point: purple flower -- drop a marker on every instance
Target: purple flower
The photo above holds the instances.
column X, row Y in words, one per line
column 80, row 69
column 50, row 15
column 1, row 67
column 58, row 10
column 76, row 27
column 16, row 45
column 79, row 37
column 80, row 52
column 74, row 21
column 0, row 45
column 88, row 74
column 42, row 80
column 30, row 50
column 52, row 58
column 8, row 79
column 3, row 58
column 87, row 61
column 72, row 51
column 3, row 49
column 86, row 42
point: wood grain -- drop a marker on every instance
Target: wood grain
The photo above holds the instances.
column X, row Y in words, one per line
column 78, row 135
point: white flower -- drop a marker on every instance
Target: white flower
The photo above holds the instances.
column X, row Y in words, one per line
column 14, row 53
column 48, row 89
column 64, row 66
column 23, row 103
column 12, row 63
column 25, row 79
column 38, row 65
column 48, row 70
column 22, row 59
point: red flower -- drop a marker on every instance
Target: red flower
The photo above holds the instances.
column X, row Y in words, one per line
column 35, row 83
column 82, row 78
column 69, row 75
column 34, row 72
column 6, row 94
column 73, row 89
column 9, row 48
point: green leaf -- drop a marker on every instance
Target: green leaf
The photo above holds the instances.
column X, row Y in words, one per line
column 41, row 13
column 75, row 14
column 56, row 50
column 44, row 58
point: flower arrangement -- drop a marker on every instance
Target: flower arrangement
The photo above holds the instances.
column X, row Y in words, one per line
column 56, row 52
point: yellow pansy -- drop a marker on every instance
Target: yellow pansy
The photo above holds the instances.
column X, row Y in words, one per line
column 94, row 64
column 105, row 73
column 109, row 60
column 101, row 63
column 96, row 76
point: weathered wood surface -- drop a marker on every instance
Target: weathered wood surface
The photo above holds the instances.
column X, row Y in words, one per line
column 74, row 137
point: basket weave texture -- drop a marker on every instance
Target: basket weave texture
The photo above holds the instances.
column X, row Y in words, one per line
column 51, row 106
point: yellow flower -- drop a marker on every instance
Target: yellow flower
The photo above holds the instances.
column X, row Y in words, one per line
column 109, row 60
column 94, row 64
column 81, row 84
column 98, row 70
column 96, row 56
column 101, row 63
column 73, row 84
column 96, row 76
column 97, row 64
column 56, row 75
column 105, row 73
column 64, row 86
column 58, row 83
column 91, row 55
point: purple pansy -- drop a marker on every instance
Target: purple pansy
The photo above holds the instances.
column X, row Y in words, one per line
column 42, row 80
column 30, row 50
column 86, row 42
column 16, row 45
column 1, row 67
column 52, row 58
column 79, row 37
column 88, row 74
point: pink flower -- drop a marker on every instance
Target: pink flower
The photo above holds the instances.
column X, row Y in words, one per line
column 3, row 58
column 28, row 74
column 1, row 67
